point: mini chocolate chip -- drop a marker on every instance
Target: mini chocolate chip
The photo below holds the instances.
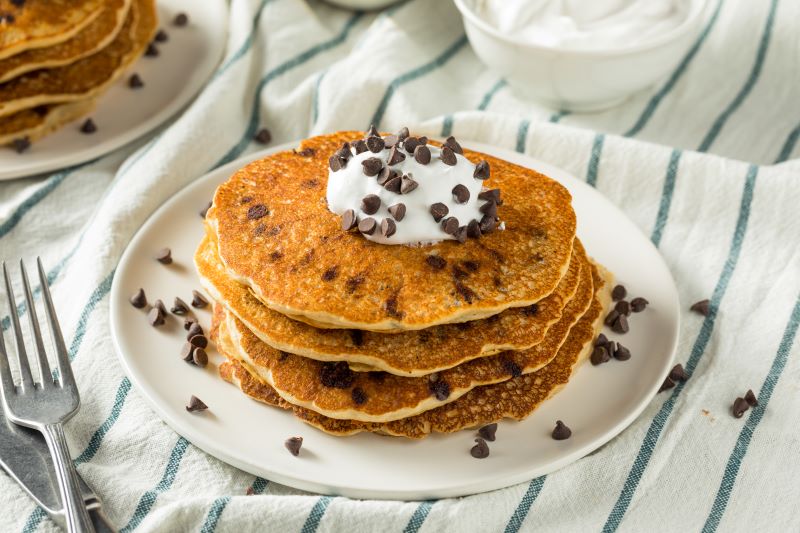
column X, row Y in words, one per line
column 21, row 144
column 451, row 143
column 620, row 325
column 448, row 157
column 482, row 172
column 678, row 373
column 461, row 234
column 200, row 357
column 439, row 211
column 330, row 274
column 398, row 211
column 371, row 166
column 199, row 341
column 196, row 404
column 638, row 305
column 151, row 50
column 403, row 134
column 611, row 347
column 359, row 396
column 489, row 209
column 440, row 389
column 395, row 156
column 668, row 384
column 367, row 226
column 263, row 136
column 394, row 184
column 179, row 307
column 611, row 318
column 388, row 227
column 390, row 140
column 460, row 194
column 198, row 300
column 336, row 163
column 450, row 225
column 194, row 330
column 344, row 152
column 188, row 321
column 203, row 212
column 373, row 131
column 161, row 36
column 480, row 450
column 623, row 307
column 257, row 211
column 561, row 431
column 601, row 340
column 164, row 256
column 187, row 352
column 751, row 398
column 618, row 293
column 336, row 375
column 488, row 224
column 473, row 229
column 411, row 144
column 703, row 307
column 488, row 432
column 360, row 146
column 370, row 204
column 138, row 299
column 492, row 195
column 349, row 220
column 294, row 444
column 407, row 184
column 180, row 20
column 135, row 82
column 161, row 307
column 88, row 126
column 436, row 262
column 622, row 353
column 422, row 154
column 740, row 405
column 375, row 144
column 599, row 355
column 155, row 317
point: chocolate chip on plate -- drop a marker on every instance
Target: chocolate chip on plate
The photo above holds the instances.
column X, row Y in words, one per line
column 388, row 227
column 703, row 307
column 371, row 166
column 264, row 136
column 161, row 307
column 21, row 145
column 398, row 211
column 151, row 50
column 179, row 307
column 751, row 398
column 88, row 126
column 161, row 36
column 460, row 194
column 164, row 256
column 678, row 373
column 480, row 450
column 196, row 404
column 200, row 357
column 188, row 321
column 294, row 444
column 482, row 172
column 448, row 157
column 439, row 211
column 138, row 299
column 601, row 340
column 199, row 341
column 611, row 318
column 618, row 293
column 599, row 355
column 621, row 353
column 194, row 330
column 204, row 211
column 638, row 304
column 155, row 317
column 198, row 300
column 561, row 431
column 450, row 225
column 739, row 407
column 135, row 82
column 488, row 432
column 623, row 307
column 668, row 384
column 367, row 226
column 620, row 325
column 187, row 352
column 180, row 20
column 370, row 204
column 422, row 154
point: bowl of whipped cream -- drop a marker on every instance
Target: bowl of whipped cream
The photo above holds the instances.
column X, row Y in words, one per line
column 582, row 55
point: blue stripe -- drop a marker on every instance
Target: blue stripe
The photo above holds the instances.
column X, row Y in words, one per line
column 788, row 145
column 246, row 45
column 487, row 98
column 412, row 75
column 555, row 118
column 516, row 520
column 666, row 197
column 418, row 518
column 749, row 84
column 315, row 98
column 447, row 126
column 594, row 159
column 259, row 485
column 210, row 523
column 316, row 514
column 746, row 434
column 98, row 294
column 98, row 436
column 522, row 135
column 148, row 499
column 676, row 75
column 283, row 68
column 33, row 521
column 659, row 421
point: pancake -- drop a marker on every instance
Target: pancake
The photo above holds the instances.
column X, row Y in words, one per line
column 409, row 353
column 516, row 398
column 40, row 23
column 299, row 262
column 35, row 123
column 87, row 77
column 94, row 37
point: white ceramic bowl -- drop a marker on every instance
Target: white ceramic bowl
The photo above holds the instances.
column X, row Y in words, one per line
column 579, row 80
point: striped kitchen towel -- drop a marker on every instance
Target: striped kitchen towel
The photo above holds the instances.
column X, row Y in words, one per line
column 702, row 162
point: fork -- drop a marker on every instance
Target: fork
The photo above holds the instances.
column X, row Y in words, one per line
column 45, row 404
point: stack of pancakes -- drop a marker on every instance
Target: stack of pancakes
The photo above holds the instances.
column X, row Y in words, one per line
column 352, row 335
column 58, row 57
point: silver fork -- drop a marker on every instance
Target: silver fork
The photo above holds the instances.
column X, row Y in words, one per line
column 45, row 404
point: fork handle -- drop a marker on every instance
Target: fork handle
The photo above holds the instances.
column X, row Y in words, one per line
column 78, row 520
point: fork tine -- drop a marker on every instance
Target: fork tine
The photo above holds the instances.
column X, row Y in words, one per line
column 22, row 355
column 64, row 366
column 6, row 379
column 45, row 377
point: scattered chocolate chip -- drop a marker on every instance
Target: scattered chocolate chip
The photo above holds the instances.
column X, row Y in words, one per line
column 21, row 144
column 349, row 220
column 359, row 396
column 740, row 405
column 164, row 256
column 367, row 226
column 370, row 204
column 336, row 163
column 461, row 234
column 344, row 152
column 196, row 404
column 411, row 144
column 188, row 321
column 751, row 398
column 200, row 357
column 179, row 307
column 198, row 300
column 336, row 375
column 620, row 325
column 489, row 209
column 638, row 304
column 611, row 318
column 601, row 340
column 195, row 329
column 422, row 154
column 264, row 136
column 187, row 352
column 407, row 184
column 388, row 227
column 561, row 431
column 360, row 146
column 451, row 143
column 488, row 432
column 403, row 134
column 448, row 157
column 703, row 307
column 600, row 355
column 611, row 347
column 439, row 211
column 155, row 317
column 398, row 211
column 492, row 195
column 460, row 194
column 199, row 341
column 371, row 166
column 482, row 172
column 138, row 299
column 88, row 126
column 480, row 450
column 618, row 293
column 151, row 50
column 204, row 211
column 161, row 36
column 668, row 384
column 161, row 307
column 375, row 144
column 450, row 225
column 678, row 373
column 488, row 224
column 436, row 262
column 386, row 174
column 294, row 444
column 473, row 229
column 395, row 156
column 254, row 212
column 621, row 353
column 180, row 20
column 440, row 389
column 135, row 82
column 373, row 131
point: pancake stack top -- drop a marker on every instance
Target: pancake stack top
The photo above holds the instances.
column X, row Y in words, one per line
column 392, row 284
column 58, row 57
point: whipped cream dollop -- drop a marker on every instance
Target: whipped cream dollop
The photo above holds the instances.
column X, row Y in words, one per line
column 398, row 189
column 582, row 24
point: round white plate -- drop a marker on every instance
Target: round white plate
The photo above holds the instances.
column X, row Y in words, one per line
column 250, row 435
column 184, row 65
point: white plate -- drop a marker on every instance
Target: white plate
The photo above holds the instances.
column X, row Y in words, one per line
column 250, row 435
column 172, row 79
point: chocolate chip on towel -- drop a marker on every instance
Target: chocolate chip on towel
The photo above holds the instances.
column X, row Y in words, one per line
column 678, row 373
column 138, row 299
column 164, row 256
column 480, row 450
column 740, row 405
column 196, row 404
column 751, row 398
column 668, row 384
column 179, row 307
column 151, row 50
column 263, row 136
column 703, row 307
column 488, row 432
column 638, row 304
column 561, row 431
column 294, row 444
column 618, row 293
column 198, row 300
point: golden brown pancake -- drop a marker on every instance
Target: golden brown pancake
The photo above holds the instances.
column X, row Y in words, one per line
column 516, row 398
column 85, row 78
column 299, row 262
column 94, row 37
column 409, row 353
column 35, row 123
column 40, row 23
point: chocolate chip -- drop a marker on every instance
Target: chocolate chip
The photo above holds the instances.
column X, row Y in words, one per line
column 668, row 384
column 395, row 156
column 751, row 398
column 703, row 307
column 450, row 225
column 678, row 373
column 373, row 131
column 336, row 375
column 263, row 136
column 601, row 340
column 161, row 36
column 194, row 330
column 371, row 166
column 294, row 444
column 180, row 20
column 623, row 307
column 370, row 204
column 611, row 318
column 151, row 50
column 367, row 226
column 488, row 432
column 388, row 227
column 489, row 209
column 357, row 337
column 198, row 300
column 88, row 126
column 512, row 368
column 448, row 157
column 179, row 307
column 618, row 293
column 488, row 224
column 638, row 305
column 21, row 144
column 203, row 212
column 359, row 396
column 199, row 341
column 330, row 274
column 200, row 357
column 386, row 174
column 349, row 220
column 620, row 325
column 257, row 211
column 161, row 307
column 473, row 229
column 403, row 134
column 436, row 262
column 336, row 163
column 460, row 194
column 621, row 353
column 611, row 347
column 410, row 144
column 451, row 143
column 561, row 431
column 530, row 310
column 600, row 355
column 407, row 184
column 135, row 82
column 375, row 144
column 492, row 195
column 360, row 146
column 422, row 154
column 188, row 321
column 187, row 352
column 461, row 234
column 740, row 405
column 155, row 317
column 138, row 299
column 164, row 256
column 440, row 389
column 390, row 140
column 398, row 211
column 482, row 172
column 480, row 450
column 439, row 211
column 196, row 404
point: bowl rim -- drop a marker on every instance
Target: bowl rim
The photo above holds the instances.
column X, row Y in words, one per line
column 697, row 10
